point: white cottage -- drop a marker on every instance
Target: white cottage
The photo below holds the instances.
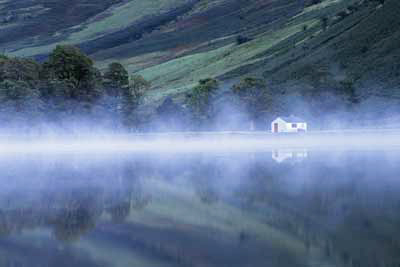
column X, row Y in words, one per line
column 289, row 124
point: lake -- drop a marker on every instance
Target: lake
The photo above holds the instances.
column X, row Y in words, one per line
column 278, row 207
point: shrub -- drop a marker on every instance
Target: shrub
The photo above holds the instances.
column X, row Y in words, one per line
column 240, row 39
column 315, row 2
column 364, row 49
column 324, row 23
column 342, row 14
column 312, row 2
column 352, row 8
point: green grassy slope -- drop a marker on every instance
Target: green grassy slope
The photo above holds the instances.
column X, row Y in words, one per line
column 183, row 73
column 364, row 45
column 268, row 53
column 175, row 43
column 73, row 22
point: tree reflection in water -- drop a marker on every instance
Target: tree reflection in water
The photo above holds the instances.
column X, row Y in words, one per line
column 211, row 210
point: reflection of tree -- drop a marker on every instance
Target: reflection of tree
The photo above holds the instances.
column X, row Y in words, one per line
column 203, row 175
column 119, row 212
column 72, row 223
column 207, row 195
column 139, row 199
column 128, row 193
column 75, row 197
column 243, row 236
column 5, row 226
column 329, row 210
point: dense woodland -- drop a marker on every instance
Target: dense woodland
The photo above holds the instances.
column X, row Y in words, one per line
column 67, row 90
column 67, row 87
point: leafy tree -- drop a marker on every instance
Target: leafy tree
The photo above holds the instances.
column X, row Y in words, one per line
column 67, row 63
column 115, row 79
column 170, row 114
column 56, row 96
column 116, row 87
column 19, row 102
column 169, row 108
column 18, row 69
column 66, row 85
column 139, row 84
column 253, row 95
column 349, row 91
column 201, row 100
column 131, row 99
column 15, row 90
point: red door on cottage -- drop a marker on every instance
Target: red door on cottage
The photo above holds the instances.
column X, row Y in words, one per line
column 275, row 127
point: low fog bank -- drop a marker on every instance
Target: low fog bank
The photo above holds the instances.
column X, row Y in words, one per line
column 251, row 105
column 225, row 112
column 246, row 199
column 110, row 145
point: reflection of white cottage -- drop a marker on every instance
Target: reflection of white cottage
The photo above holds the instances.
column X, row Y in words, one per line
column 289, row 124
column 281, row 155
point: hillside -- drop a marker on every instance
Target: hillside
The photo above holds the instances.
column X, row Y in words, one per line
column 142, row 34
column 298, row 47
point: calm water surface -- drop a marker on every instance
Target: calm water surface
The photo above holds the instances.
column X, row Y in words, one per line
column 279, row 208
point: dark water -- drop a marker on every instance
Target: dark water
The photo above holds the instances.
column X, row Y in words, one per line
column 285, row 208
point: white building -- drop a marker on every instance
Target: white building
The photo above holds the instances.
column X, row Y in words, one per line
column 289, row 124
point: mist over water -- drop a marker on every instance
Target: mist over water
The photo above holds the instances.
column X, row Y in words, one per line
column 197, row 142
column 160, row 153
column 91, row 193
column 210, row 199
column 80, row 188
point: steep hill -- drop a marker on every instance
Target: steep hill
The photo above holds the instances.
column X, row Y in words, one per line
column 299, row 47
column 139, row 33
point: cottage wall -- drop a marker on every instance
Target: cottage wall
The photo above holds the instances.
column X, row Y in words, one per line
column 290, row 128
column 299, row 126
column 281, row 126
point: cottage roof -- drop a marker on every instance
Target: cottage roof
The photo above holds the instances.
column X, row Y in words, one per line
column 292, row 118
